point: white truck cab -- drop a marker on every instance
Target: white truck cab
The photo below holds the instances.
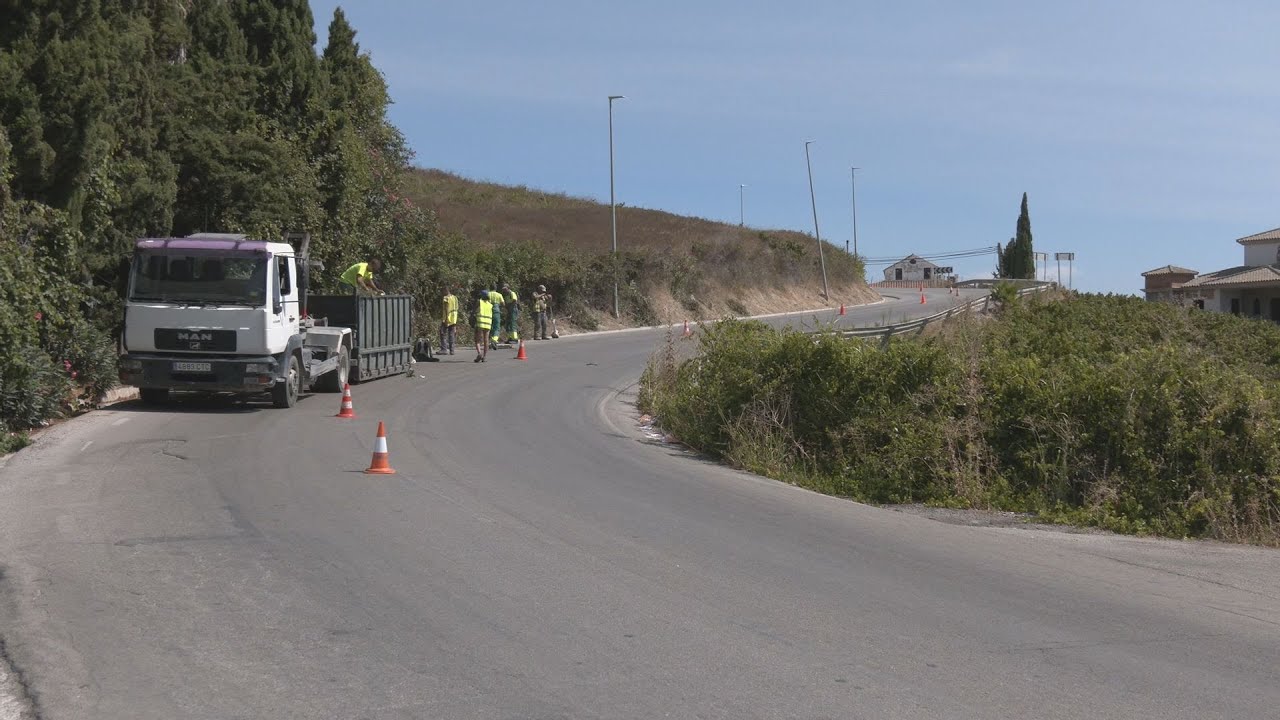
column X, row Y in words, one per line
column 224, row 313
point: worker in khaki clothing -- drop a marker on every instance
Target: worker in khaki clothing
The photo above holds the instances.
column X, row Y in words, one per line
column 495, row 327
column 511, row 313
column 481, row 320
column 541, row 312
column 448, row 322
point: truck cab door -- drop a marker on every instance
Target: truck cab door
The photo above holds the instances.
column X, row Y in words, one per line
column 291, row 308
column 285, row 310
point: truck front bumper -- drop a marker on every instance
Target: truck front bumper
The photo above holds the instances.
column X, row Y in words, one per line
column 205, row 374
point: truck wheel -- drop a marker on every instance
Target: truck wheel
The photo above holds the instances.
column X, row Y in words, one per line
column 333, row 381
column 285, row 394
column 154, row 396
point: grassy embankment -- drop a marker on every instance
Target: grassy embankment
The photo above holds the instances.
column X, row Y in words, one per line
column 671, row 267
column 1091, row 410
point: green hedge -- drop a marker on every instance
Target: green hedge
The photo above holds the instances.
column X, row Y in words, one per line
column 1090, row 409
column 55, row 360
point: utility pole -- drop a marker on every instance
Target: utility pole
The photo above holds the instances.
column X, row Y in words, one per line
column 613, row 210
column 741, row 214
column 813, row 202
column 853, row 175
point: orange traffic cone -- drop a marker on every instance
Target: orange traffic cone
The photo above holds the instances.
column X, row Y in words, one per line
column 841, row 308
column 922, row 300
column 687, row 331
column 346, row 410
column 380, row 464
column 520, row 353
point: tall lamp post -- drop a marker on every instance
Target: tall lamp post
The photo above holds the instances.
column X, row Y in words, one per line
column 741, row 214
column 853, row 175
column 613, row 209
column 813, row 202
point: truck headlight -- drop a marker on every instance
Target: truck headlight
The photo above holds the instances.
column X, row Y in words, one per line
column 259, row 368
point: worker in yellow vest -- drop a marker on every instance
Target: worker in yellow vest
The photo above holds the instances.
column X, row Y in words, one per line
column 541, row 311
column 448, row 321
column 360, row 276
column 495, row 328
column 481, row 321
column 511, row 306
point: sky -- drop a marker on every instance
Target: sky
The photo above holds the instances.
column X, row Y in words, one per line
column 1144, row 133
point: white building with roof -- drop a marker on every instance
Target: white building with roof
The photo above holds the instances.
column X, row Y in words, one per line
column 1252, row 288
column 914, row 268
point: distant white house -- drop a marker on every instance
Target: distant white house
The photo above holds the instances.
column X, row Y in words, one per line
column 914, row 267
column 1251, row 289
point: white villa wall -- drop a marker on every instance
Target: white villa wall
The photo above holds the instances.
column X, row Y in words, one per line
column 1262, row 254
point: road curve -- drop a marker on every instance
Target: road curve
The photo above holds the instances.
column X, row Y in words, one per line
column 537, row 556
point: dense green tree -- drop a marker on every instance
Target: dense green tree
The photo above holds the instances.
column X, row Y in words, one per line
column 1017, row 259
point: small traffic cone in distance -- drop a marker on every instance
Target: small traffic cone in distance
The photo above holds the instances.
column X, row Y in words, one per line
column 687, row 331
column 346, row 410
column 841, row 308
column 380, row 464
column 922, row 300
column 520, row 353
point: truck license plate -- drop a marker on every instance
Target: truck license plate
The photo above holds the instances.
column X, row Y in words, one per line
column 192, row 367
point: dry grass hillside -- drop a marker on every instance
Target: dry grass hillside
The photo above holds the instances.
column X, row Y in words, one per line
column 685, row 266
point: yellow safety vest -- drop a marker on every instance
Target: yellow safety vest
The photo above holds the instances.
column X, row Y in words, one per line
column 359, row 270
column 484, row 315
column 450, row 310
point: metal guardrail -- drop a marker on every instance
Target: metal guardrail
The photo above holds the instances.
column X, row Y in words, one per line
column 918, row 325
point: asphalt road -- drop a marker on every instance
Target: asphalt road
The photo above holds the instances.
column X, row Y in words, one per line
column 537, row 556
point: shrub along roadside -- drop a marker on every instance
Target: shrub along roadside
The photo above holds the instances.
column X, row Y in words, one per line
column 55, row 360
column 1106, row 411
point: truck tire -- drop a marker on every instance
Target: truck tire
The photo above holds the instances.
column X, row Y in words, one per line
column 154, row 396
column 285, row 394
column 333, row 381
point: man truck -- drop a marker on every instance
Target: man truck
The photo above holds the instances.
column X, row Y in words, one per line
column 223, row 313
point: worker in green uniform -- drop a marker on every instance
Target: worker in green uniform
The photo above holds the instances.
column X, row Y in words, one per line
column 495, row 329
column 481, row 320
column 511, row 306
column 360, row 276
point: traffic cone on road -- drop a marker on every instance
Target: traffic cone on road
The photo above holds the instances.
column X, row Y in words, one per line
column 922, row 300
column 380, row 464
column 520, row 353
column 687, row 331
column 841, row 308
column 346, row 410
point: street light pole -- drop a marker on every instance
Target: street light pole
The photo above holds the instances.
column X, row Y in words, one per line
column 741, row 214
column 613, row 210
column 853, row 175
column 814, row 203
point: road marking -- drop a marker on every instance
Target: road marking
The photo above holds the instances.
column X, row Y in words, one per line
column 86, row 445
column 121, row 421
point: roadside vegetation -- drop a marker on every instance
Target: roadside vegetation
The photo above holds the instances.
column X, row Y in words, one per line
column 670, row 267
column 1096, row 410
column 155, row 119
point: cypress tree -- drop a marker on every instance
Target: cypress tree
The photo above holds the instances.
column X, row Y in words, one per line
column 1024, row 262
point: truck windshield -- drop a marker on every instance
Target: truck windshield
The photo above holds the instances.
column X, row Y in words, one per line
column 202, row 279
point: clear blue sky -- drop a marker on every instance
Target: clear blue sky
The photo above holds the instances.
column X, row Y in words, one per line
column 1144, row 132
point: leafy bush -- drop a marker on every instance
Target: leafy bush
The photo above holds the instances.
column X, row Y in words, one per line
column 1101, row 410
column 55, row 360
